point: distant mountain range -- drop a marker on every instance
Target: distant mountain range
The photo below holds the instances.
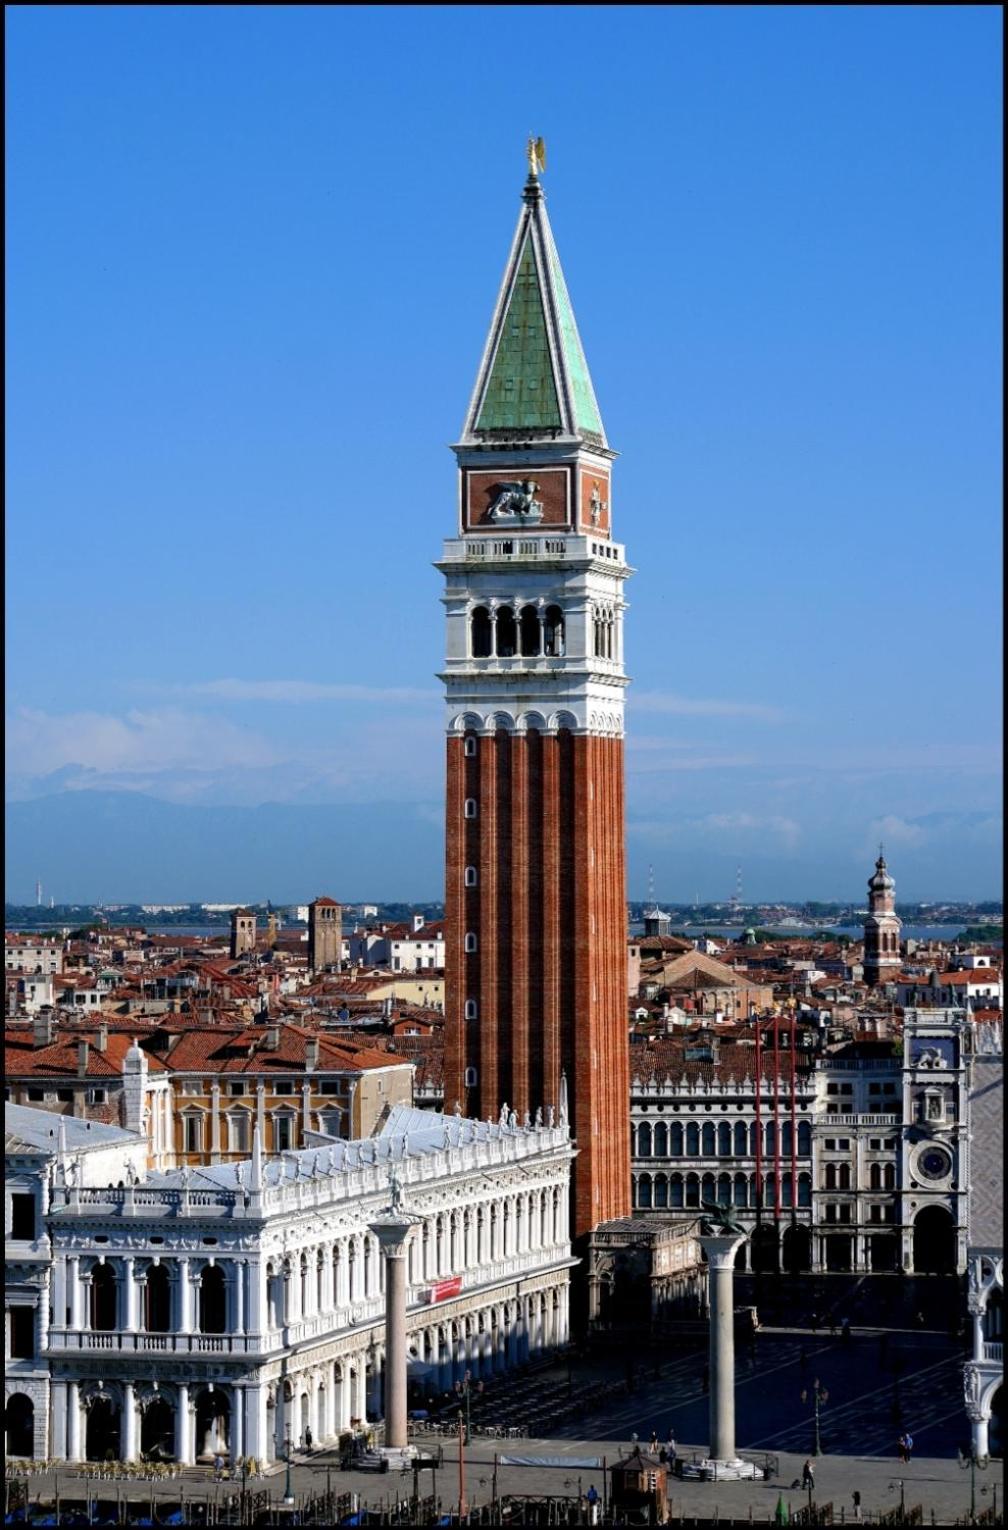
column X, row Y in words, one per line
column 125, row 847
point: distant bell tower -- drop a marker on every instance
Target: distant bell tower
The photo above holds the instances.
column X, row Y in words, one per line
column 325, row 934
column 535, row 874
column 881, row 928
column 243, row 932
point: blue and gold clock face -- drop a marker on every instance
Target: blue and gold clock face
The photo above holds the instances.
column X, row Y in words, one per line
column 934, row 1163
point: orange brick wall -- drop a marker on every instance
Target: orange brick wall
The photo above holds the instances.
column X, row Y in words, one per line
column 549, row 975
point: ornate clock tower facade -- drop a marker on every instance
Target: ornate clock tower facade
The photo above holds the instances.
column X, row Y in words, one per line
column 536, row 996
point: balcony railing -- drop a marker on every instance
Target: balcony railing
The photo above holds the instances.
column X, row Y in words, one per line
column 994, row 1351
column 830, row 1123
column 121, row 1341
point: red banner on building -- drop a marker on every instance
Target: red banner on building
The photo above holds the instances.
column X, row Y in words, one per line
column 444, row 1288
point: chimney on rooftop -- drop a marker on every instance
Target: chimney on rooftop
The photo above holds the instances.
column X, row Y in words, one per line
column 102, row 1041
column 312, row 1055
column 418, row 922
column 43, row 1026
column 273, row 1038
column 82, row 1057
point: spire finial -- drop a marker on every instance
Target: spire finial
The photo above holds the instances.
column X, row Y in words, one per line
column 536, row 151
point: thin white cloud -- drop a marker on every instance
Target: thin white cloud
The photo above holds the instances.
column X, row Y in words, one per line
column 893, row 830
column 160, row 740
column 298, row 691
column 695, row 706
column 682, row 830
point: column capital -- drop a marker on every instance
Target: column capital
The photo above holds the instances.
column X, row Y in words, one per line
column 720, row 1249
column 393, row 1231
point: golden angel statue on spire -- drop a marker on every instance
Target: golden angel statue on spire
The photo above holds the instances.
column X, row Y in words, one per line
column 536, row 156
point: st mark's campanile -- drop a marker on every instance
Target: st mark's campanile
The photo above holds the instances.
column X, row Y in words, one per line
column 536, row 996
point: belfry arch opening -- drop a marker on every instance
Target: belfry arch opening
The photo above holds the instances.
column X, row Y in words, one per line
column 480, row 633
column 530, row 632
column 507, row 633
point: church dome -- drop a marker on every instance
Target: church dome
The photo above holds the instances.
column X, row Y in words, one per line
column 881, row 881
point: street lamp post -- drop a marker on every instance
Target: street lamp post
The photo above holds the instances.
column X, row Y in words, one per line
column 819, row 1397
column 892, row 1488
column 466, row 1388
column 969, row 1460
column 288, row 1496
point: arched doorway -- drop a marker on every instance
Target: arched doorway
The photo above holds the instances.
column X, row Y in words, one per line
column 765, row 1250
column 995, row 1429
column 157, row 1430
column 934, row 1242
column 797, row 1250
column 213, row 1424
column 19, row 1426
column 102, row 1434
column 212, row 1300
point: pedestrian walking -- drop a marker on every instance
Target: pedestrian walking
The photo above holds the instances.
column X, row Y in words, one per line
column 908, row 1444
column 218, row 1468
column 815, row 1322
column 807, row 1475
column 654, row 1441
column 308, row 1438
column 856, row 1497
column 671, row 1447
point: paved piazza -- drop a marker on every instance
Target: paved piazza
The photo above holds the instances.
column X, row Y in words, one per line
column 866, row 1379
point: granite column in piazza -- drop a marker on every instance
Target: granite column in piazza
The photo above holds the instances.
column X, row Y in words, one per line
column 393, row 1230
column 720, row 1252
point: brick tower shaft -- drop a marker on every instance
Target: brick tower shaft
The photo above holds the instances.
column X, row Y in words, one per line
column 536, row 994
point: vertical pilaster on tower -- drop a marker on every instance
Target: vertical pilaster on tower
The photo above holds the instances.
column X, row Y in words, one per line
column 881, row 928
column 535, row 868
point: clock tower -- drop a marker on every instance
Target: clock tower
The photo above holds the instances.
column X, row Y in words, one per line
column 536, row 995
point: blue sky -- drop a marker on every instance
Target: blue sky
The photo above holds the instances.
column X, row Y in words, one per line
column 251, row 257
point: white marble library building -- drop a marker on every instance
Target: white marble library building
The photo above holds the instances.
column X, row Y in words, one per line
column 231, row 1309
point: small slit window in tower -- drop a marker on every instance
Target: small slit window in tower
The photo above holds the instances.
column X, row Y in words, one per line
column 470, row 807
column 471, row 1079
column 554, row 632
column 471, row 1011
column 470, row 942
column 470, row 876
column 470, row 748
column 480, row 633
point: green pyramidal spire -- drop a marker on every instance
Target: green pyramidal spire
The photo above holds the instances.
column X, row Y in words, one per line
column 533, row 380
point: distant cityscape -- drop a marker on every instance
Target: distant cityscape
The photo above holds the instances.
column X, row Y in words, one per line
column 812, row 915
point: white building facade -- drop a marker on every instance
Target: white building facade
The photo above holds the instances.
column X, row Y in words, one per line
column 230, row 1309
